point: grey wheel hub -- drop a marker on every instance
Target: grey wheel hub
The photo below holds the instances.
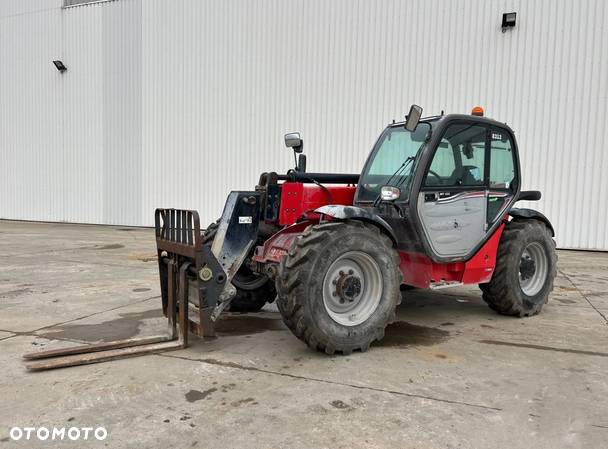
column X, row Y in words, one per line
column 352, row 288
column 348, row 286
column 533, row 269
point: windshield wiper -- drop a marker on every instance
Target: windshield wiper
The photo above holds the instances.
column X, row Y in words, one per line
column 397, row 172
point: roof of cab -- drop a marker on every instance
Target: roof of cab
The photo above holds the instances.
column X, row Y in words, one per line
column 450, row 117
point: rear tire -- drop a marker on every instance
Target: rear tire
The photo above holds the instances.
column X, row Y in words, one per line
column 526, row 265
column 338, row 286
column 252, row 292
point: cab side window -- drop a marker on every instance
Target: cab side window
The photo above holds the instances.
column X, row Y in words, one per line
column 460, row 158
column 443, row 165
column 502, row 165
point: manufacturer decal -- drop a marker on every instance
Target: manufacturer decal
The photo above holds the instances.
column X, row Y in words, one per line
column 245, row 220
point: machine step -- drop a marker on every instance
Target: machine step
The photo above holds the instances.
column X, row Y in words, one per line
column 444, row 284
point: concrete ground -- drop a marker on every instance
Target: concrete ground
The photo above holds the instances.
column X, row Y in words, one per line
column 450, row 373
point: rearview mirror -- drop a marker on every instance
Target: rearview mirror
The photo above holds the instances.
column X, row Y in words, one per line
column 293, row 140
column 413, row 117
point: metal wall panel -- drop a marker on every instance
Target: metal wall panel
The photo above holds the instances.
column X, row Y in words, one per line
column 71, row 141
column 224, row 80
column 197, row 99
column 30, row 114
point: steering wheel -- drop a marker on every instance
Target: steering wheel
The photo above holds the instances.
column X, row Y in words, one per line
column 431, row 172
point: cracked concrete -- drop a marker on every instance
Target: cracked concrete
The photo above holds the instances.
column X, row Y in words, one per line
column 450, row 373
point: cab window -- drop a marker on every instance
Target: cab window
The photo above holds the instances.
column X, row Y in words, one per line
column 395, row 148
column 460, row 157
column 444, row 162
column 502, row 164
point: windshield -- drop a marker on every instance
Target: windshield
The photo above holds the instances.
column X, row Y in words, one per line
column 392, row 161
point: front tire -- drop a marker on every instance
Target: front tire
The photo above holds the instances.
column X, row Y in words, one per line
column 526, row 265
column 338, row 286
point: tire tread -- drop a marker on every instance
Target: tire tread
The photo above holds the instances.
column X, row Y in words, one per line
column 298, row 266
column 500, row 294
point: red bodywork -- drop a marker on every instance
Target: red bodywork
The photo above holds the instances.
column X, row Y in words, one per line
column 420, row 271
column 298, row 200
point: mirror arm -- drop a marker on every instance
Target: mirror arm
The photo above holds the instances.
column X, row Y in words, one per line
column 301, row 165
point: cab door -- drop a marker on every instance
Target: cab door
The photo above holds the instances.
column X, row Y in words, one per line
column 504, row 174
column 452, row 203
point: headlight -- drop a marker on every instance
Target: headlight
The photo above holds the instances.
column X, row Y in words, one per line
column 389, row 193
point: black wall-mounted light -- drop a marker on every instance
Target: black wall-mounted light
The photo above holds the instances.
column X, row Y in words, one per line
column 60, row 66
column 508, row 20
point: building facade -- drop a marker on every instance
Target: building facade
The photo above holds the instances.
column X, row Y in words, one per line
column 174, row 103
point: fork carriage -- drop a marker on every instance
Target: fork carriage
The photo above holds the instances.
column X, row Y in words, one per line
column 187, row 268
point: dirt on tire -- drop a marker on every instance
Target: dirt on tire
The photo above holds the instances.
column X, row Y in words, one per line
column 504, row 293
column 300, row 285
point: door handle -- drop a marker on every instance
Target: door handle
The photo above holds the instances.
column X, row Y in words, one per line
column 430, row 197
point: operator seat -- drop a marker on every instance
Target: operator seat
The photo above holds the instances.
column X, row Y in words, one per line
column 464, row 176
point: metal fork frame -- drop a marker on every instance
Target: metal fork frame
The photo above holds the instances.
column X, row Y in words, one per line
column 177, row 337
column 180, row 254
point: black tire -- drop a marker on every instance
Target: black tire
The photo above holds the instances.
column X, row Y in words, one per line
column 504, row 292
column 251, row 292
column 253, row 300
column 301, row 279
column 209, row 233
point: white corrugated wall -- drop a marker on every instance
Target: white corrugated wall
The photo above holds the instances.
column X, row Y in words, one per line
column 173, row 103
column 71, row 143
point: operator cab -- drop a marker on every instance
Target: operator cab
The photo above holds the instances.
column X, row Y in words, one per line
column 446, row 182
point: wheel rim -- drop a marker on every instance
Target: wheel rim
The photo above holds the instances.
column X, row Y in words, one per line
column 533, row 269
column 352, row 288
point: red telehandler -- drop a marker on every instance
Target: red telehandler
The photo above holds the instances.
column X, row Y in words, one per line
column 432, row 208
